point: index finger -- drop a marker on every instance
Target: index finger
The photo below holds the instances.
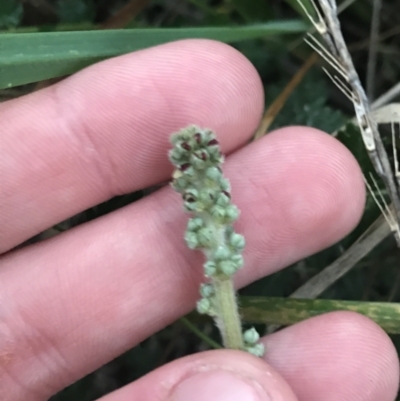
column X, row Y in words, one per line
column 104, row 131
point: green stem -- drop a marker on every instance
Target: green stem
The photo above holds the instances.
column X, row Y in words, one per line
column 228, row 319
column 199, row 333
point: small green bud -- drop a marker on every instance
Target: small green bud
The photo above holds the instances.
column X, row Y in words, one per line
column 180, row 183
column 225, row 186
column 215, row 154
column 222, row 253
column 206, row 197
column 206, row 237
column 237, row 241
column 199, row 137
column 237, row 260
column 194, row 223
column 231, row 213
column 206, row 290
column 178, row 155
column 182, row 135
column 210, row 268
column 227, row 267
column 204, row 306
column 251, row 337
column 191, row 206
column 223, row 200
column 189, row 172
column 185, row 145
column 191, row 195
column 191, row 240
column 175, row 138
column 217, row 212
column 256, row 350
column 199, row 160
column 213, row 173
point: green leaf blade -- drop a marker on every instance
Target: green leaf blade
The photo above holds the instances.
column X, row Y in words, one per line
column 287, row 311
column 32, row 57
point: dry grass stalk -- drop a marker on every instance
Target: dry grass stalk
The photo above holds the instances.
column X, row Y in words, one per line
column 338, row 57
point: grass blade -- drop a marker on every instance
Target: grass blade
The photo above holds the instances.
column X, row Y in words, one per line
column 32, row 57
column 286, row 311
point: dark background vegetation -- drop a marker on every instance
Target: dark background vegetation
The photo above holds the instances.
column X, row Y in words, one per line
column 314, row 102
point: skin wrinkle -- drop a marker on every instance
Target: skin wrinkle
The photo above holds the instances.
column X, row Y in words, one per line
column 13, row 381
column 31, row 340
column 164, row 94
column 50, row 361
column 80, row 133
column 7, row 356
column 19, row 389
column 265, row 194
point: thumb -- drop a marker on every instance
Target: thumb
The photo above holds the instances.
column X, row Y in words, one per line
column 222, row 375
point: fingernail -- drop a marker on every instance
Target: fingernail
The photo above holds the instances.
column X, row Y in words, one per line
column 218, row 385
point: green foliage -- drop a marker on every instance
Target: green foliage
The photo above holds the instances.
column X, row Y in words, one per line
column 253, row 10
column 11, row 12
column 74, row 11
column 287, row 311
column 307, row 105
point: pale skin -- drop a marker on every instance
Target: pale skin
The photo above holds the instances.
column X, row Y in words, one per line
column 74, row 302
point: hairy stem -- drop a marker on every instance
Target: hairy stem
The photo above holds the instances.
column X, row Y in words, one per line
column 228, row 319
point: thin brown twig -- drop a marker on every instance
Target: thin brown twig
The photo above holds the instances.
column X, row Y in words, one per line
column 276, row 106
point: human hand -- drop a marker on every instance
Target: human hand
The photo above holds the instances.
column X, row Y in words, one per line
column 74, row 302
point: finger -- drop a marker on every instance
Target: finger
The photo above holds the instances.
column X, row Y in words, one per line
column 104, row 131
column 218, row 375
column 128, row 274
column 338, row 356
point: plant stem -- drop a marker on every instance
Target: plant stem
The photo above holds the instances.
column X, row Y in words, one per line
column 206, row 194
column 199, row 333
column 228, row 319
